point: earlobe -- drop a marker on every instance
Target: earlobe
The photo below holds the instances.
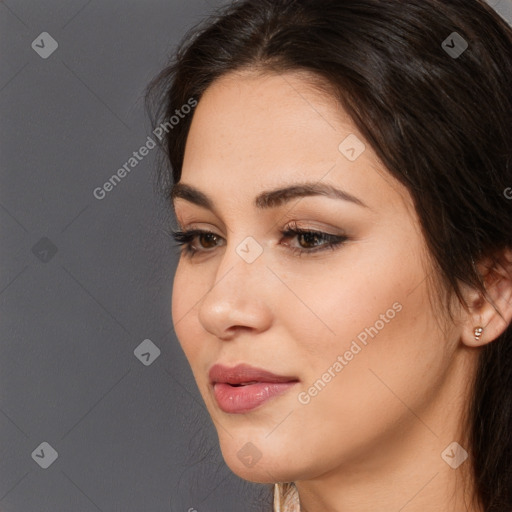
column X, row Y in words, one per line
column 490, row 318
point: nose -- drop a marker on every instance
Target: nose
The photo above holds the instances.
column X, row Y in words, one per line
column 240, row 295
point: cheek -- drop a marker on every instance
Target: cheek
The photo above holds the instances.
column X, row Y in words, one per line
column 374, row 319
column 339, row 303
column 186, row 292
column 386, row 344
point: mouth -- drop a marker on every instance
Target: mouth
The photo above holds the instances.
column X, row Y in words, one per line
column 242, row 388
column 242, row 384
column 245, row 375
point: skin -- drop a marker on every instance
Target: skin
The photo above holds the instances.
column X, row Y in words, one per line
column 372, row 438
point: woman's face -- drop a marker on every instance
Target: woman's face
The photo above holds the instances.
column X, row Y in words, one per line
column 351, row 326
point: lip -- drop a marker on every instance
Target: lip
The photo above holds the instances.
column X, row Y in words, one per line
column 263, row 385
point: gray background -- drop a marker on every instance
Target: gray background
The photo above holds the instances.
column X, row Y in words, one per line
column 129, row 436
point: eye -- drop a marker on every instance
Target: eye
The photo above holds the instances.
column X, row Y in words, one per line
column 186, row 237
column 307, row 240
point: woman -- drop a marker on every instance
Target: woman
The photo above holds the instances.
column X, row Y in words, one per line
column 340, row 172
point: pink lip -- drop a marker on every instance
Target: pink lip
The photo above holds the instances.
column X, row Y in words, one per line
column 239, row 399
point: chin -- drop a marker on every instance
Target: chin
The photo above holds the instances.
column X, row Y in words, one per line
column 261, row 473
column 260, row 464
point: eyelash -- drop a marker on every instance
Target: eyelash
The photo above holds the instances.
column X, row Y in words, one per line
column 185, row 238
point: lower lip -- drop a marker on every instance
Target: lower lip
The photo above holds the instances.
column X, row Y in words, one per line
column 242, row 399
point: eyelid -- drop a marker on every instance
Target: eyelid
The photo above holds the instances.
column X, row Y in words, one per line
column 324, row 228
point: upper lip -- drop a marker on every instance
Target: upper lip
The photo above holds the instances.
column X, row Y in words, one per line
column 243, row 373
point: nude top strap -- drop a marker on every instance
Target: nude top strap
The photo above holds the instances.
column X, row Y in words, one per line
column 286, row 498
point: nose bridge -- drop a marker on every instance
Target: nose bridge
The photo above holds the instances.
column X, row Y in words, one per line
column 236, row 296
column 243, row 262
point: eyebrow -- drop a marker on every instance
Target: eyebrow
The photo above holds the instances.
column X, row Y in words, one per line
column 269, row 198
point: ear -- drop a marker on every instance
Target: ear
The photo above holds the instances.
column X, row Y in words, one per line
column 497, row 276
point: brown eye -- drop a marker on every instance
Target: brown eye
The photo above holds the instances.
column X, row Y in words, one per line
column 186, row 239
column 309, row 239
column 207, row 238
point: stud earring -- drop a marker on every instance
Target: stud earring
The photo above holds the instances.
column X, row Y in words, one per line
column 478, row 332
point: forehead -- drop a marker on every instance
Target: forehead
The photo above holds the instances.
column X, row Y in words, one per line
column 266, row 117
column 253, row 132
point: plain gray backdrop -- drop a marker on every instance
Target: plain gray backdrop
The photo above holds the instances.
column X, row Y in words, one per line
column 85, row 282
